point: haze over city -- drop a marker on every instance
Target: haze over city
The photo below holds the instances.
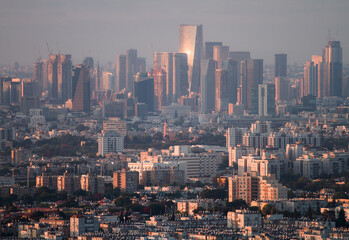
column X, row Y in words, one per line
column 104, row 28
column 174, row 120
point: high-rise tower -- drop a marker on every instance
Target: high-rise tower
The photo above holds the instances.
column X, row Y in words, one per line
column 332, row 69
column 131, row 67
column 310, row 79
column 281, row 65
column 81, row 88
column 120, row 72
column 191, row 43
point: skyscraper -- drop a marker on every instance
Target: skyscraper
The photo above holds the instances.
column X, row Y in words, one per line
column 143, row 90
column 180, row 76
column 164, row 61
column 191, row 43
column 209, row 49
column 231, row 67
column 141, row 65
column 81, row 88
column 281, row 65
column 220, row 53
column 159, row 89
column 310, row 79
column 208, row 85
column 221, row 86
column 239, row 56
column 281, row 89
column 120, row 72
column 332, row 69
column 266, row 99
column 317, row 59
column 38, row 76
column 131, row 67
column 52, row 83
column 88, row 62
column 252, row 75
column 59, row 77
column 64, row 72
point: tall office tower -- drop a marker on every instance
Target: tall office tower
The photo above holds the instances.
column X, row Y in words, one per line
column 52, row 83
column 209, row 49
column 81, row 88
column 5, row 91
column 120, row 72
column 310, row 79
column 164, row 61
column 266, row 99
column 143, row 90
column 317, row 59
column 208, row 85
column 231, row 66
column 191, row 43
column 345, row 85
column 239, row 56
column 88, row 62
column 180, row 76
column 64, row 76
column 281, row 89
column 252, row 75
column 332, row 68
column 108, row 82
column 159, row 89
column 141, row 65
column 38, row 76
column 45, row 64
column 222, row 92
column 220, row 53
column 131, row 67
column 281, row 65
column 97, row 81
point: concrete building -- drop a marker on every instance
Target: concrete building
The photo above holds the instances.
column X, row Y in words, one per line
column 234, row 136
column 127, row 181
column 180, row 76
column 115, row 124
column 110, row 142
column 92, row 184
column 209, row 49
column 68, row 183
column 243, row 218
column 143, row 90
column 191, row 43
column 164, row 61
column 266, row 100
column 281, row 89
column 235, row 153
column 160, row 98
column 259, row 165
column 80, row 224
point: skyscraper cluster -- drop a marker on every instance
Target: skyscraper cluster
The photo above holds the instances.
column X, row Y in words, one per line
column 323, row 74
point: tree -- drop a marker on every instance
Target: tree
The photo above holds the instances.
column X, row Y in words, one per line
column 237, row 204
column 268, row 209
column 122, row 201
column 341, row 220
column 199, row 209
column 157, row 208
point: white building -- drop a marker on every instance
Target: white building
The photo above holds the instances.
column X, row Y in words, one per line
column 80, row 224
column 260, row 165
column 234, row 136
column 235, row 153
column 110, row 142
column 243, row 218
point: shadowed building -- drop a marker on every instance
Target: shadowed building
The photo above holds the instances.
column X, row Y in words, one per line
column 81, row 88
column 281, row 65
column 120, row 72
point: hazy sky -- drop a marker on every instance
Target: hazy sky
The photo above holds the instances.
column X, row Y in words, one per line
column 103, row 28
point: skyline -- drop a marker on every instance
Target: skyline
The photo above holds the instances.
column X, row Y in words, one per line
column 106, row 28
